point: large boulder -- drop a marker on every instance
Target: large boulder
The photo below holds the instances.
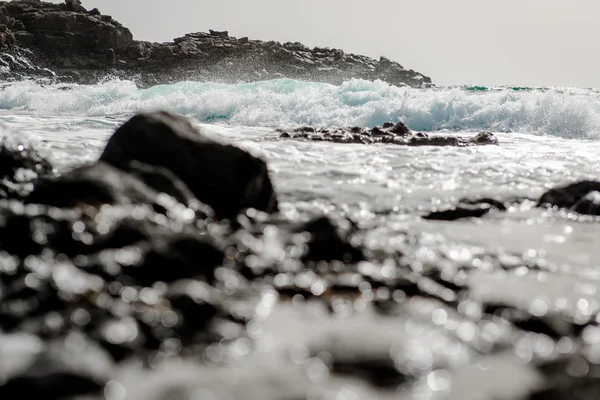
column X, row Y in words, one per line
column 222, row 176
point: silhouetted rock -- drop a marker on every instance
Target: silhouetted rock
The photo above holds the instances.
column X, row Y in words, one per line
column 569, row 195
column 223, row 176
column 467, row 209
column 329, row 241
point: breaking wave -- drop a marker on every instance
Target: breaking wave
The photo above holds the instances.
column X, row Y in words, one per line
column 568, row 113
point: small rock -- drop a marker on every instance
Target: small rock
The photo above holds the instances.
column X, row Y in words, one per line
column 18, row 26
column 485, row 138
column 219, row 33
column 467, row 209
column 110, row 57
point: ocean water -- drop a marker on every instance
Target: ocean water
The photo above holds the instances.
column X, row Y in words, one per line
column 548, row 137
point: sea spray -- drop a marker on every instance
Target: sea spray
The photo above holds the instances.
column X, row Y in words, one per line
column 568, row 113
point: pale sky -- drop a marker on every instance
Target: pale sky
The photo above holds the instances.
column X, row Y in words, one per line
column 483, row 42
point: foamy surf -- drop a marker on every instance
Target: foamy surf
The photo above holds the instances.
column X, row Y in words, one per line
column 567, row 113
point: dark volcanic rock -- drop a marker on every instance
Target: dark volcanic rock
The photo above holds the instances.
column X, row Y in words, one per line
column 74, row 42
column 390, row 133
column 578, row 196
column 223, row 176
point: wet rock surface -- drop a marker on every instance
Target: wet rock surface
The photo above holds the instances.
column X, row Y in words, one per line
column 390, row 133
column 84, row 46
column 118, row 282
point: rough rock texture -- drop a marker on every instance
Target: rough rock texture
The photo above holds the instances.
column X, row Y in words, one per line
column 86, row 45
column 220, row 175
column 390, row 133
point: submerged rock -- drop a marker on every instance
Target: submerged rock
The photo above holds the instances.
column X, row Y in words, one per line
column 390, row 133
column 467, row 209
column 223, row 176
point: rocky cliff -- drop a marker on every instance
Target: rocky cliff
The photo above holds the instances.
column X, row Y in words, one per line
column 38, row 37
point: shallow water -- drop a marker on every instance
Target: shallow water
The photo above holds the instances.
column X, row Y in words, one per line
column 547, row 137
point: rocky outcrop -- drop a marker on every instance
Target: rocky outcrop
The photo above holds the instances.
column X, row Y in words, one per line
column 82, row 45
column 390, row 133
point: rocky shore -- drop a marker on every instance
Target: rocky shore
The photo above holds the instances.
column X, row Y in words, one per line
column 389, row 133
column 86, row 46
column 165, row 271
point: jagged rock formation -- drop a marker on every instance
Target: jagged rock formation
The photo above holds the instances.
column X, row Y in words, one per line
column 389, row 133
column 86, row 45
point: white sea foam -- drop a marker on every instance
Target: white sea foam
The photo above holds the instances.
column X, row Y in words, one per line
column 568, row 113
